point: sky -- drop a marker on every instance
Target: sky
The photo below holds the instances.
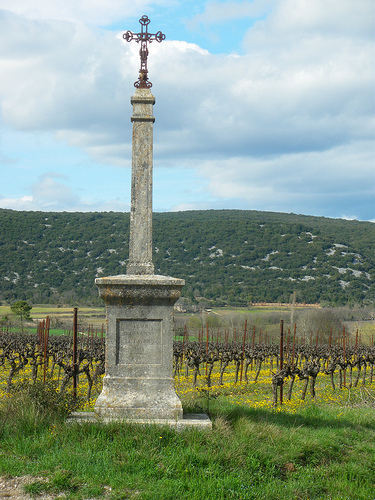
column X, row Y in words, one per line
column 260, row 104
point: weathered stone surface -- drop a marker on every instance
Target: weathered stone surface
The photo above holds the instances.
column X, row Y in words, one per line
column 140, row 245
column 146, row 289
column 138, row 382
column 190, row 420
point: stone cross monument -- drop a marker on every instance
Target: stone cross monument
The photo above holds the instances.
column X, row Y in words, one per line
column 140, row 244
column 138, row 384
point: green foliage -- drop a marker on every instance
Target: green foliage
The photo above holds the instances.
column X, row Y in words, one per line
column 31, row 408
column 22, row 310
column 227, row 257
column 50, row 399
column 20, row 417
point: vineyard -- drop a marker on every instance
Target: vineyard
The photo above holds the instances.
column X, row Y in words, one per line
column 292, row 414
column 207, row 364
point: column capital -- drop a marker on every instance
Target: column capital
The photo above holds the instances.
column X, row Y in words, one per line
column 142, row 102
column 142, row 96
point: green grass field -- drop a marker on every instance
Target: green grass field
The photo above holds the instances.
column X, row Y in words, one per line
column 305, row 450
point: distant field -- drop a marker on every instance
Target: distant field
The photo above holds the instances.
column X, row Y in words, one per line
column 62, row 317
column 259, row 309
column 266, row 318
column 86, row 315
column 41, row 311
column 50, row 310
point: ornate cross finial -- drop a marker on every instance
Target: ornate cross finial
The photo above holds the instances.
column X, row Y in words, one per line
column 144, row 37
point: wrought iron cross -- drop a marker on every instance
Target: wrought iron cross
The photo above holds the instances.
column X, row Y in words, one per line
column 144, row 37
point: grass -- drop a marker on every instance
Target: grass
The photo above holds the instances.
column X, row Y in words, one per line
column 249, row 454
column 323, row 449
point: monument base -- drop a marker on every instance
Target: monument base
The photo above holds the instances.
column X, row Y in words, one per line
column 138, row 382
column 188, row 421
column 154, row 398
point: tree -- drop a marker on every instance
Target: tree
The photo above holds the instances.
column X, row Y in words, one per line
column 22, row 309
column 322, row 321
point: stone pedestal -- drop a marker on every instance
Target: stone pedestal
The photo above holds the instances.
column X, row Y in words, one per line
column 138, row 383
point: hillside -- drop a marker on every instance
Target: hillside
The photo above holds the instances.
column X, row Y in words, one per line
column 226, row 256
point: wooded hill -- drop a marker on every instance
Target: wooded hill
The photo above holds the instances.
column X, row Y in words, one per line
column 228, row 257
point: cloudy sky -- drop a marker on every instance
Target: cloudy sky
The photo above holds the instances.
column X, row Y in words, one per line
column 260, row 104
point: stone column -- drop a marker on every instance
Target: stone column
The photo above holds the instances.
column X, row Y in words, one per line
column 140, row 245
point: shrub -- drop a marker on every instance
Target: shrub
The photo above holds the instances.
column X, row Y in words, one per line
column 30, row 408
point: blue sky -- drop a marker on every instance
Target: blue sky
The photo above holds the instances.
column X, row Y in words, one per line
column 263, row 104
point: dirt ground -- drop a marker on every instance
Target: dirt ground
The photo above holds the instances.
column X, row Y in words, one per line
column 12, row 488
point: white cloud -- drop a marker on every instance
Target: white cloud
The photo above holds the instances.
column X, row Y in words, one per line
column 23, row 203
column 50, row 192
column 280, row 182
column 331, row 18
column 254, row 104
column 222, row 12
column 349, row 217
column 92, row 12
column 53, row 193
column 291, row 119
column 63, row 78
